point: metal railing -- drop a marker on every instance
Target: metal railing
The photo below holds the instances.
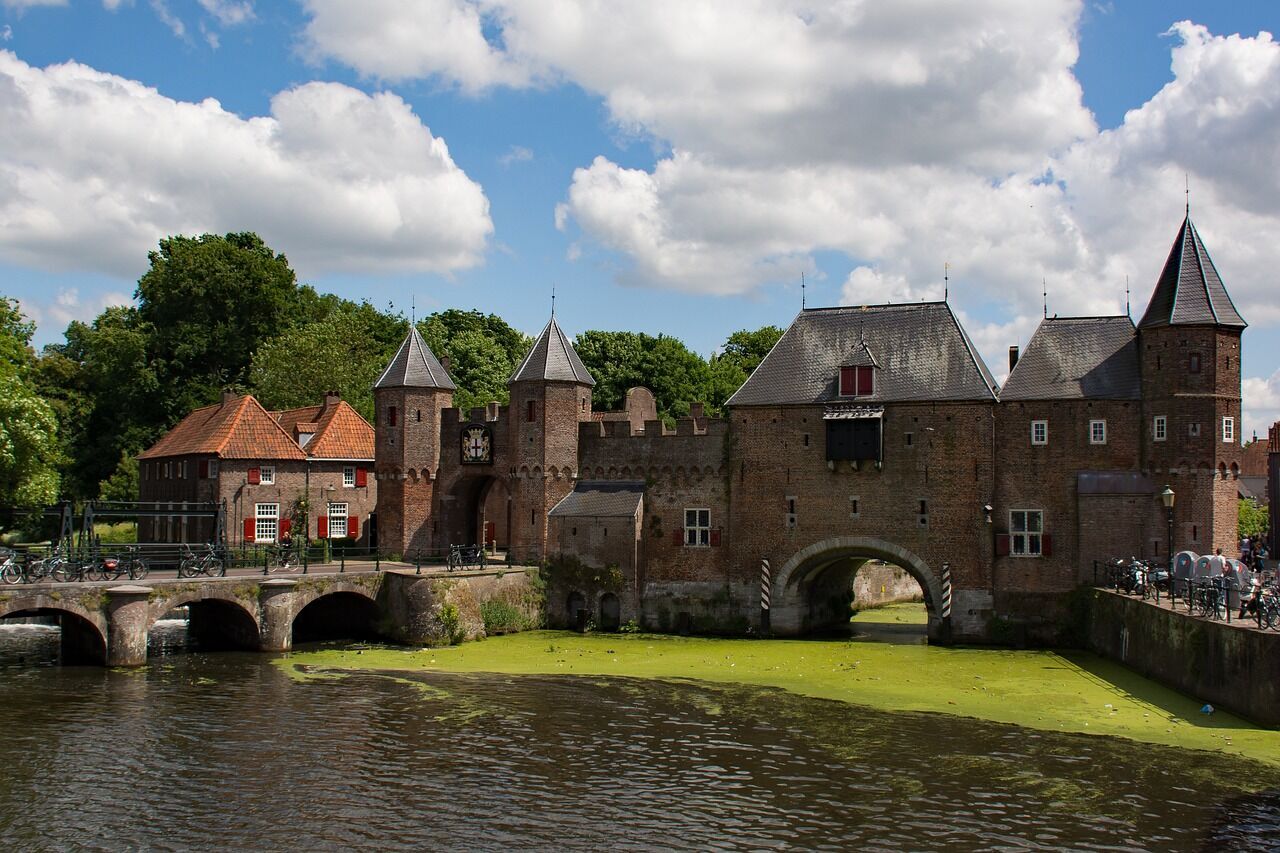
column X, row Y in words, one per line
column 1216, row 598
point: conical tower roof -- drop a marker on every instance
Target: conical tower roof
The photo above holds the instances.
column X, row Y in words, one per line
column 415, row 366
column 1190, row 292
column 552, row 359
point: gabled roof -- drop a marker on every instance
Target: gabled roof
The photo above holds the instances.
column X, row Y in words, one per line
column 552, row 359
column 860, row 357
column 1078, row 358
column 601, row 499
column 921, row 350
column 338, row 430
column 415, row 366
column 1190, row 291
column 238, row 428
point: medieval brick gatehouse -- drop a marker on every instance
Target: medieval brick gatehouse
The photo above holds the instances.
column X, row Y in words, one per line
column 868, row 432
column 267, row 469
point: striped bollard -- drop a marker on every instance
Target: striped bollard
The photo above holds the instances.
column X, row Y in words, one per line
column 765, row 582
column 946, row 590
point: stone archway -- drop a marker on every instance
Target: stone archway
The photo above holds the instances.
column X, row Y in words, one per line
column 475, row 510
column 83, row 633
column 348, row 614
column 807, row 590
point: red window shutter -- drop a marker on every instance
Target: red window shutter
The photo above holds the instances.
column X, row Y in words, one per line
column 362, row 477
column 322, row 525
column 1046, row 545
column 255, row 476
column 353, row 527
column 1002, row 544
column 847, row 382
column 864, row 381
column 285, row 524
column 203, row 469
column 249, row 532
column 677, row 537
column 715, row 539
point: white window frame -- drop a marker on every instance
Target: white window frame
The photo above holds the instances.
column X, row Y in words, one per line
column 1044, row 437
column 1026, row 538
column 1098, row 431
column 1159, row 428
column 266, row 522
column 697, row 527
column 213, row 469
column 348, row 476
column 340, row 510
column 267, row 475
column 1228, row 430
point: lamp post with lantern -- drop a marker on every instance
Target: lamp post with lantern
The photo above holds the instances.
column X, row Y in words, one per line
column 1167, row 498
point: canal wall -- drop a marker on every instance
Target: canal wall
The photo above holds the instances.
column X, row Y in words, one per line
column 1231, row 666
column 877, row 584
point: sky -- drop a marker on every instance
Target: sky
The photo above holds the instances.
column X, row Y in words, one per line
column 672, row 166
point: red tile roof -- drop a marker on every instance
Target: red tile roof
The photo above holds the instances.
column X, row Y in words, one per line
column 340, row 431
column 235, row 429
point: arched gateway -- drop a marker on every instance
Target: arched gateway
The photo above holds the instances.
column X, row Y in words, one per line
column 811, row 592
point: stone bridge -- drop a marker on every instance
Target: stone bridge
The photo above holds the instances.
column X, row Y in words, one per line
column 109, row 624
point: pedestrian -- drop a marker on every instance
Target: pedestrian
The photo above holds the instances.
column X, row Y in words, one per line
column 1254, row 601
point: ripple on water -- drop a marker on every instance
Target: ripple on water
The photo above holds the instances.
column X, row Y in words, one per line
column 227, row 751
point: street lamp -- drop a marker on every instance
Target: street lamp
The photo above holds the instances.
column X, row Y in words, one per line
column 1166, row 498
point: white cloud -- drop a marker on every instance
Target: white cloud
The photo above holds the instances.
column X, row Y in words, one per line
column 6, row 33
column 20, row 5
column 170, row 20
column 67, row 305
column 1262, row 404
column 229, row 12
column 94, row 169
column 515, row 154
column 113, row 5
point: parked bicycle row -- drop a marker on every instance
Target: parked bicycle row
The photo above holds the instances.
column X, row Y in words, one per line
column 60, row 566
column 1209, row 586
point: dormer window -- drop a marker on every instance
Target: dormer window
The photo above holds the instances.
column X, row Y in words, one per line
column 856, row 381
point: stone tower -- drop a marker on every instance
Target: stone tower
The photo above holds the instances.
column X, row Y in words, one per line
column 408, row 398
column 1189, row 339
column 550, row 396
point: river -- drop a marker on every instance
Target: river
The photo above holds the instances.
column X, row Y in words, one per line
column 237, row 751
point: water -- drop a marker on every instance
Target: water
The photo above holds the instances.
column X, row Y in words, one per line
column 230, row 751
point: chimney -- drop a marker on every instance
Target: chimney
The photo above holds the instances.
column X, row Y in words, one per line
column 444, row 362
column 229, row 396
column 1013, row 358
column 332, row 398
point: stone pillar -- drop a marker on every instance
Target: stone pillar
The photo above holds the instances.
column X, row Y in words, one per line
column 279, row 606
column 127, row 617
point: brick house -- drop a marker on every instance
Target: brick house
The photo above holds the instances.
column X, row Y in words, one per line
column 868, row 433
column 266, row 469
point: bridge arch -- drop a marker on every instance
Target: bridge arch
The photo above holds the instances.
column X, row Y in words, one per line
column 345, row 611
column 216, row 619
column 84, row 632
column 809, row 590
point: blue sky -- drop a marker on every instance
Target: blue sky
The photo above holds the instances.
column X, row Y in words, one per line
column 669, row 169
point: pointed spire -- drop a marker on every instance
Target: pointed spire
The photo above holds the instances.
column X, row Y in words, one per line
column 552, row 359
column 415, row 366
column 1190, row 291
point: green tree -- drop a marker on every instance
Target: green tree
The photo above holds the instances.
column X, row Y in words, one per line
column 29, row 457
column 676, row 375
column 122, row 485
column 207, row 304
column 343, row 351
column 483, row 350
column 15, row 336
column 746, row 349
column 1253, row 518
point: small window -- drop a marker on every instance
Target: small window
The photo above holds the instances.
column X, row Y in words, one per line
column 853, row 507
column 266, row 522
column 791, row 513
column 349, row 477
column 856, row 382
column 529, row 412
column 1159, row 427
column 924, row 513
column 1026, row 527
column 213, row 469
column 1193, row 430
column 1228, row 430
column 391, row 415
column 1193, row 363
column 584, row 404
column 911, row 438
column 337, row 521
column 697, row 528
column 419, row 413
column 268, row 475
column 1097, row 432
column 806, row 439
column 1039, row 432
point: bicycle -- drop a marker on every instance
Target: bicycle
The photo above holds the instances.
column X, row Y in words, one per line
column 55, row 567
column 284, row 558
column 133, row 564
column 209, row 564
column 11, row 570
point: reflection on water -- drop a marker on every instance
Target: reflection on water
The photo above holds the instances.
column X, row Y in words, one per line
column 228, row 751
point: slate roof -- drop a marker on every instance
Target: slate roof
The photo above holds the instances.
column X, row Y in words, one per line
column 1190, row 291
column 1075, row 358
column 920, row 348
column 415, row 366
column 236, row 429
column 338, row 430
column 552, row 359
column 601, row 499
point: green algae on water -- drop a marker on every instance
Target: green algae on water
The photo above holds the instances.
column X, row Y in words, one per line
column 1045, row 690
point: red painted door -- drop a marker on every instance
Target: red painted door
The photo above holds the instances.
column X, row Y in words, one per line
column 490, row 533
